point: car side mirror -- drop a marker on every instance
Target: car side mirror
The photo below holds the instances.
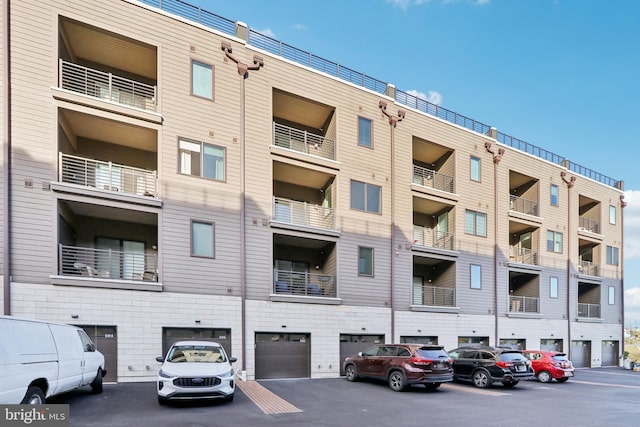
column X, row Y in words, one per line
column 233, row 359
column 160, row 359
column 89, row 347
column 360, row 354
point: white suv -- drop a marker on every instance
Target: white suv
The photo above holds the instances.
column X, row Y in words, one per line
column 195, row 370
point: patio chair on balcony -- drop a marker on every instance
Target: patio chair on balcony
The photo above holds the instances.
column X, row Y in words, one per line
column 89, row 271
column 147, row 276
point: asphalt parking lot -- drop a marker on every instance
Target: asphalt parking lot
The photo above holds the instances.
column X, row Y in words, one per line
column 595, row 397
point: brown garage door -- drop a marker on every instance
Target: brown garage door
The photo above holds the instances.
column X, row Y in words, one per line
column 351, row 344
column 106, row 340
column 172, row 335
column 282, row 355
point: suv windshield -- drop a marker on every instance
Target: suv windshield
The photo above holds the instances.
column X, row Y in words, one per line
column 512, row 356
column 432, row 353
column 196, row 353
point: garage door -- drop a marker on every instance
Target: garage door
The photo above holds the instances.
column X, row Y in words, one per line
column 610, row 353
column 418, row 340
column 353, row 344
column 172, row 335
column 551, row 345
column 106, row 341
column 282, row 355
column 516, row 343
column 581, row 354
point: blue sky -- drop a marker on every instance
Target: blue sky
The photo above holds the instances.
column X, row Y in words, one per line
column 560, row 74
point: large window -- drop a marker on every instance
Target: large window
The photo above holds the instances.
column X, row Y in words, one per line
column 554, row 241
column 475, row 169
column 365, row 197
column 554, row 195
column 365, row 261
column 612, row 255
column 475, row 223
column 202, row 239
column 612, row 214
column 200, row 159
column 201, row 79
column 553, row 287
column 365, row 132
column 476, row 276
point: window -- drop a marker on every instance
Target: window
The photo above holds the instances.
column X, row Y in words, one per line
column 612, row 215
column 201, row 79
column 554, row 241
column 475, row 169
column 475, row 223
column 365, row 261
column 612, row 255
column 365, row 132
column 612, row 295
column 553, row 287
column 365, row 197
column 554, row 195
column 202, row 234
column 200, row 159
column 476, row 276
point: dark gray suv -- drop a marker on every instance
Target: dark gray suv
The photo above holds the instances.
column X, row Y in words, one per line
column 484, row 365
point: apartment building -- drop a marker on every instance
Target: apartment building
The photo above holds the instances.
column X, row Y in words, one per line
column 169, row 173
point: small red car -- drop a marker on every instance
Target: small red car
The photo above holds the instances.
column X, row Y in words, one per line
column 549, row 365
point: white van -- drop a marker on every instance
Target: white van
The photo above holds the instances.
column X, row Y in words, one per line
column 40, row 359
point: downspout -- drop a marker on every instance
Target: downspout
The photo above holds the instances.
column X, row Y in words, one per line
column 243, row 71
column 6, row 175
column 570, row 183
column 393, row 120
column 496, row 160
column 623, row 205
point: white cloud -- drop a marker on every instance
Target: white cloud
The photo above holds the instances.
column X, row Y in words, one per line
column 267, row 32
column 433, row 97
column 301, row 27
column 632, row 224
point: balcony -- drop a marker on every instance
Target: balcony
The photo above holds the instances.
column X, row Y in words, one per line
column 106, row 175
column 523, row 255
column 90, row 263
column 303, row 141
column 432, row 179
column 522, row 304
column 591, row 311
column 434, row 296
column 107, row 86
column 522, row 205
column 302, row 213
column 586, row 224
column 303, row 284
column 588, row 268
column 428, row 237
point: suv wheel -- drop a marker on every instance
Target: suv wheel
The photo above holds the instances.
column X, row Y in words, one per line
column 351, row 373
column 397, row 381
column 544, row 377
column 481, row 379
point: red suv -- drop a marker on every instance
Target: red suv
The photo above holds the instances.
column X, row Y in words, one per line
column 401, row 365
column 549, row 365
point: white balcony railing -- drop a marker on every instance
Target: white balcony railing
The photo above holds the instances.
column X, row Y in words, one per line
column 588, row 268
column 106, row 175
column 107, row 86
column 106, row 264
column 301, row 283
column 430, row 178
column 428, row 237
column 589, row 225
column 589, row 310
column 523, row 255
column 303, row 141
column 520, row 304
column 522, row 205
column 434, row 296
column 302, row 213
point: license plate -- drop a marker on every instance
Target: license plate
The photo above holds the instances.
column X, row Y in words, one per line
column 568, row 374
column 520, row 369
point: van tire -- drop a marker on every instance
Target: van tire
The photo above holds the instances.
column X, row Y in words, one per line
column 34, row 396
column 96, row 384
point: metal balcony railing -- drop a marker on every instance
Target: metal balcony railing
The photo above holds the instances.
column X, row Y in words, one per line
column 430, row 178
column 589, row 310
column 589, row 268
column 523, row 255
column 434, row 296
column 303, row 141
column 428, row 237
column 589, row 225
column 520, row 304
column 302, row 213
column 107, row 86
column 299, row 283
column 522, row 205
column 106, row 264
column 106, row 175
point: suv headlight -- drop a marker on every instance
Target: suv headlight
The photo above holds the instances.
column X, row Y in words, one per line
column 164, row 374
column 227, row 374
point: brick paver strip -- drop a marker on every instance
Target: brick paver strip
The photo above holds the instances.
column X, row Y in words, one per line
column 267, row 401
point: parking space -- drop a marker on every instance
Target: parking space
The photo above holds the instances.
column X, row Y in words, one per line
column 606, row 396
